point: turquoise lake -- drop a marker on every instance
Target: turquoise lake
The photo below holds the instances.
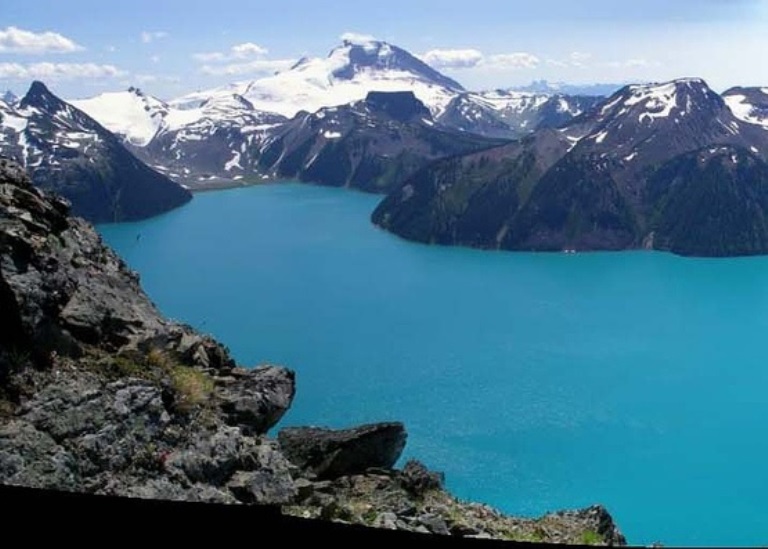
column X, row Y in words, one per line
column 536, row 382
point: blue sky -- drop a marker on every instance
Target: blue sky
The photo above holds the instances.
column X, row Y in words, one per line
column 172, row 47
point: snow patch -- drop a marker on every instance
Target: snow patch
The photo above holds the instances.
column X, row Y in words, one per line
column 658, row 100
column 331, row 135
column 233, row 163
column 744, row 110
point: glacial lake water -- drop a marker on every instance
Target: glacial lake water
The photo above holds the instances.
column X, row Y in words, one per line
column 536, row 382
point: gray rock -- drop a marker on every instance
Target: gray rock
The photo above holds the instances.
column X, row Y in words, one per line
column 59, row 285
column 418, row 480
column 256, row 400
column 386, row 520
column 434, row 524
column 336, row 453
column 214, row 458
column 32, row 458
column 599, row 521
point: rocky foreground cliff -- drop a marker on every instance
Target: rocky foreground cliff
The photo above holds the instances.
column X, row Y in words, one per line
column 100, row 394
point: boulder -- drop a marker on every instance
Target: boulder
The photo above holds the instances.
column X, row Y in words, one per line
column 330, row 453
column 255, row 400
column 418, row 480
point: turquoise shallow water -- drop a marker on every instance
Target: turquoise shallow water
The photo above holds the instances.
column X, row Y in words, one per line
column 535, row 381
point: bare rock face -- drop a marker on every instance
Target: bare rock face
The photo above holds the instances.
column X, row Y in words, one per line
column 256, row 399
column 99, row 393
column 330, row 453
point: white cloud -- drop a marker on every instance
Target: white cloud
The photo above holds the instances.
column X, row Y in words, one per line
column 151, row 36
column 155, row 58
column 357, row 38
column 239, row 51
column 263, row 66
column 15, row 40
column 248, row 49
column 61, row 71
column 632, row 64
column 557, row 63
column 149, row 79
column 453, row 59
column 471, row 58
column 579, row 59
column 512, row 61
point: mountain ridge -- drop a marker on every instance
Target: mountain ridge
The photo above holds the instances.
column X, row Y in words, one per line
column 69, row 152
column 594, row 183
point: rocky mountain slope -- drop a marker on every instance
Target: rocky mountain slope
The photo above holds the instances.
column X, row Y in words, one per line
column 100, row 394
column 212, row 137
column 371, row 145
column 221, row 139
column 512, row 114
column 621, row 175
column 68, row 152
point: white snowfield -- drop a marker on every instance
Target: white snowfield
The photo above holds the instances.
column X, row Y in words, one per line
column 132, row 115
column 744, row 110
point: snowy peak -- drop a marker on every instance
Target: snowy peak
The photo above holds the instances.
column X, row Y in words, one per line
column 748, row 104
column 40, row 97
column 669, row 100
column 653, row 122
column 131, row 114
column 232, row 101
column 510, row 113
column 346, row 75
column 360, row 56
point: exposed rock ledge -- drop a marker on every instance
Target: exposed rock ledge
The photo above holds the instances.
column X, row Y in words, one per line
column 99, row 393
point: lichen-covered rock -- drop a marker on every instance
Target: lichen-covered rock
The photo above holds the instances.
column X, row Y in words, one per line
column 100, row 393
column 257, row 399
column 329, row 453
column 385, row 501
column 418, row 480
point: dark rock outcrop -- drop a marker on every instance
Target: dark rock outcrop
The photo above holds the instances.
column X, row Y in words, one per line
column 418, row 480
column 255, row 400
column 331, row 454
column 104, row 395
column 372, row 145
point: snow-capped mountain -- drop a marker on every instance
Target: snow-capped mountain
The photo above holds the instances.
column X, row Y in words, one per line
column 131, row 114
column 220, row 139
column 512, row 114
column 66, row 151
column 563, row 88
column 348, row 73
column 749, row 104
column 371, row 144
column 663, row 166
column 654, row 122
